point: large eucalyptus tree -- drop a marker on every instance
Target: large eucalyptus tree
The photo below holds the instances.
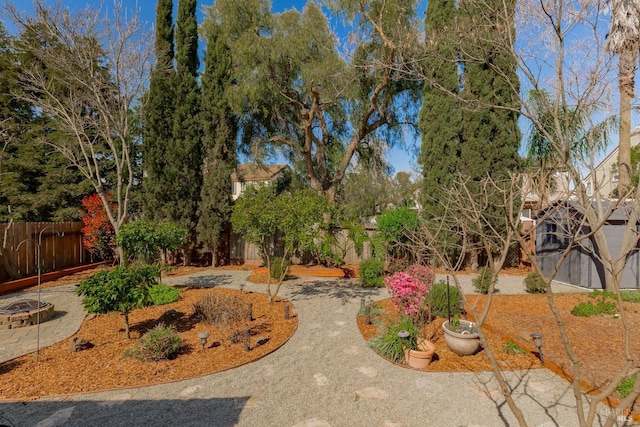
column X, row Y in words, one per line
column 298, row 93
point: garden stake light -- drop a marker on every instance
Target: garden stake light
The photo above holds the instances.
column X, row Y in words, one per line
column 286, row 312
column 39, row 268
column 247, row 335
column 537, row 340
column 203, row 338
column 250, row 309
column 368, row 315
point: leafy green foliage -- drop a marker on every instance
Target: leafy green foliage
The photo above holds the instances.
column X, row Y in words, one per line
column 482, row 281
column 372, row 273
column 587, row 309
column 625, row 387
column 278, row 267
column 630, row 295
column 220, row 310
column 437, row 299
column 534, row 284
column 160, row 343
column 512, row 348
column 163, row 294
column 144, row 240
column 323, row 115
column 120, row 289
column 393, row 222
column 392, row 346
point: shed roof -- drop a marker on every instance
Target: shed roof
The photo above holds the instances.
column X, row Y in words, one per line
column 255, row 172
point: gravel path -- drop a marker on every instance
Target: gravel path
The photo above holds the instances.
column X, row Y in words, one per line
column 324, row 376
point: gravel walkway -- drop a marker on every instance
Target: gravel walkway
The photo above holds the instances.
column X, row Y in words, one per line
column 324, row 376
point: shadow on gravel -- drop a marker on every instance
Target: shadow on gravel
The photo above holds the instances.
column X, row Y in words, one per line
column 338, row 289
column 209, row 281
column 177, row 412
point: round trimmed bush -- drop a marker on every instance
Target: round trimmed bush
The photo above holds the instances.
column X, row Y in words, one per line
column 278, row 266
column 482, row 282
column 372, row 273
column 437, row 298
column 534, row 284
column 160, row 343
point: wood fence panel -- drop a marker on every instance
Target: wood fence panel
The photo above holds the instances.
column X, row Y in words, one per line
column 60, row 246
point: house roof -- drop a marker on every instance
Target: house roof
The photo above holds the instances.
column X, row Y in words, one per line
column 254, row 172
column 617, row 212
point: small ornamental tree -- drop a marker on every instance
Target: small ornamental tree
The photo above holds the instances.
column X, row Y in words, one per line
column 120, row 289
column 260, row 212
column 393, row 224
column 144, row 240
column 98, row 236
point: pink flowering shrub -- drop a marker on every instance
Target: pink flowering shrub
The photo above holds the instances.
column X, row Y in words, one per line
column 422, row 273
column 409, row 289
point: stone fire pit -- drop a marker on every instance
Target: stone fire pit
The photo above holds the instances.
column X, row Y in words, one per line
column 23, row 313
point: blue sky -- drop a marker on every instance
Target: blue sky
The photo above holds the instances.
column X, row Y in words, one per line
column 400, row 158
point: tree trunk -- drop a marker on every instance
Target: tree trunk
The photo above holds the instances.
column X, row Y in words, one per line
column 626, row 74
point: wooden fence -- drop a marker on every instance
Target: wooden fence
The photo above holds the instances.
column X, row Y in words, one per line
column 241, row 251
column 60, row 247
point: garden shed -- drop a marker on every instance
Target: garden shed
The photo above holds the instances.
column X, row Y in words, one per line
column 582, row 267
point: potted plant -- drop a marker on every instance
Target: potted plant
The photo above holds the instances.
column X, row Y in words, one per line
column 404, row 340
column 461, row 336
column 418, row 351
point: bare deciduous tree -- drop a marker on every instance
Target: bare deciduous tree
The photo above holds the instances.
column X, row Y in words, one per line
column 87, row 72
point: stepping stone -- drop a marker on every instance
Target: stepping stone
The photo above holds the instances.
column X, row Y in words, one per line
column 430, row 386
column 372, row 393
column 368, row 371
column 334, row 334
column 190, row 391
column 58, row 418
column 321, row 380
column 340, row 322
column 244, row 403
column 354, row 350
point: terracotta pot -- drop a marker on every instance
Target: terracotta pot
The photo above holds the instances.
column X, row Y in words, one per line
column 463, row 344
column 421, row 358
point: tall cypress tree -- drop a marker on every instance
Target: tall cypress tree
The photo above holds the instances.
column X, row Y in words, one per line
column 219, row 127
column 441, row 114
column 490, row 131
column 184, row 156
column 158, row 117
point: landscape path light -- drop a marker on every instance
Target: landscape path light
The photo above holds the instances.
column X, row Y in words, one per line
column 203, row 338
column 537, row 340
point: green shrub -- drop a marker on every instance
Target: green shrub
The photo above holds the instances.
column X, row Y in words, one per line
column 160, row 343
column 278, row 266
column 163, row 294
column 482, row 282
column 630, row 295
column 513, row 348
column 625, row 386
column 390, row 345
column 120, row 289
column 587, row 309
column 437, row 299
column 534, row 284
column 220, row 310
column 372, row 273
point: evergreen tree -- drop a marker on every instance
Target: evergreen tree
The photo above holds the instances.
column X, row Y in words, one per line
column 219, row 127
column 36, row 182
column 184, row 155
column 490, row 130
column 158, row 116
column 441, row 114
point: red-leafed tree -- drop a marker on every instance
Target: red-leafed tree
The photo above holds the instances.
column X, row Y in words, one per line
column 98, row 235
